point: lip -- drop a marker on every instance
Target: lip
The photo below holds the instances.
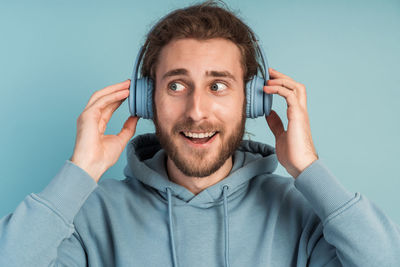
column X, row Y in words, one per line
column 205, row 145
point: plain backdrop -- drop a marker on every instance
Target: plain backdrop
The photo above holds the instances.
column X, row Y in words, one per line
column 55, row 54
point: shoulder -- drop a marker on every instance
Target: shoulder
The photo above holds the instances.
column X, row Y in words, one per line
column 274, row 186
column 114, row 189
column 110, row 195
column 280, row 194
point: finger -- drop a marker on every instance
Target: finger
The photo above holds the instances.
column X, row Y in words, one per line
column 110, row 102
column 107, row 90
column 106, row 115
column 109, row 110
column 291, row 84
column 128, row 130
column 288, row 94
column 275, row 123
column 298, row 88
column 277, row 74
column 111, row 98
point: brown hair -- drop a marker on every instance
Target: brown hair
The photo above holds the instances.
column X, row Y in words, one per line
column 201, row 21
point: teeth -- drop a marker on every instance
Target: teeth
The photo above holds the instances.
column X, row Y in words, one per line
column 199, row 135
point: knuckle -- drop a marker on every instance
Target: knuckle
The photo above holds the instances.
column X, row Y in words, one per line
column 96, row 93
column 82, row 116
column 94, row 96
column 86, row 114
column 79, row 120
column 292, row 96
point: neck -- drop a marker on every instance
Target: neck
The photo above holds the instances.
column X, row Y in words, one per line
column 197, row 184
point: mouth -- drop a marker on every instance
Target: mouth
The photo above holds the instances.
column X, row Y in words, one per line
column 199, row 139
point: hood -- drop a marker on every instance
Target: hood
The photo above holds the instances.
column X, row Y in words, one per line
column 147, row 162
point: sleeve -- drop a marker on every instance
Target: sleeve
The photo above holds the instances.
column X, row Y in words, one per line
column 40, row 232
column 352, row 231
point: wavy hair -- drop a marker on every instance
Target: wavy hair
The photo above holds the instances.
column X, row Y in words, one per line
column 201, row 21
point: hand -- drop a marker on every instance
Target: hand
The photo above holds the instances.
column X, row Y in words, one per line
column 294, row 148
column 95, row 152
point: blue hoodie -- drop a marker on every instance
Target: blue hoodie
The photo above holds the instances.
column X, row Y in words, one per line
column 253, row 217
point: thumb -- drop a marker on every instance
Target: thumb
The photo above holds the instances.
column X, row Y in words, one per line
column 129, row 129
column 275, row 123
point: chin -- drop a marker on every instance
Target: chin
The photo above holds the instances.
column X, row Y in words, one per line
column 198, row 162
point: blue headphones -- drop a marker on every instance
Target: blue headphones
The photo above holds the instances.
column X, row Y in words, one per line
column 141, row 92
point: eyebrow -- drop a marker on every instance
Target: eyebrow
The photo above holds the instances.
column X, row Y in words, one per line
column 212, row 73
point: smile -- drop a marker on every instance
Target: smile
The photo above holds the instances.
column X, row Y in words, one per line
column 198, row 135
column 199, row 139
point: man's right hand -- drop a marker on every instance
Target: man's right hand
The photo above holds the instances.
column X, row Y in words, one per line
column 95, row 152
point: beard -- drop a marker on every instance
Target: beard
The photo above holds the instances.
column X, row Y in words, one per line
column 199, row 163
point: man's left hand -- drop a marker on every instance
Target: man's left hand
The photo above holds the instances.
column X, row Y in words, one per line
column 294, row 148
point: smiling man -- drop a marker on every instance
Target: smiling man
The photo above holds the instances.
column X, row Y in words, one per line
column 199, row 109
column 195, row 193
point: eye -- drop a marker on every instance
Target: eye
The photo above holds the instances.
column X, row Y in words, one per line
column 174, row 86
column 215, row 87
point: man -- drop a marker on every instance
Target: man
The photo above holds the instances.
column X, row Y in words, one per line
column 195, row 194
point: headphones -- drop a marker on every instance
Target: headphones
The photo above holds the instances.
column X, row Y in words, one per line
column 141, row 92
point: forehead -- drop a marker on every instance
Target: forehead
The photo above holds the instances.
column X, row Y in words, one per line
column 200, row 57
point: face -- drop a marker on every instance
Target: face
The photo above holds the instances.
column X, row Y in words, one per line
column 199, row 103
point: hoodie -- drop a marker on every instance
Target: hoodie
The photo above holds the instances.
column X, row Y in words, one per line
column 252, row 217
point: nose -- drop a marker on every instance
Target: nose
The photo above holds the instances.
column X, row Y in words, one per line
column 198, row 105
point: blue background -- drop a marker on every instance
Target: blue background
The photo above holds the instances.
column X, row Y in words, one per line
column 55, row 54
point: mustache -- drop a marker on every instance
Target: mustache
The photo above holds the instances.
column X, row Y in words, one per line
column 189, row 125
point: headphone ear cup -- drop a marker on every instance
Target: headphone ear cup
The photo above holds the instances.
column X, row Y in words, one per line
column 249, row 86
column 267, row 103
column 144, row 94
column 258, row 102
column 132, row 98
column 149, row 100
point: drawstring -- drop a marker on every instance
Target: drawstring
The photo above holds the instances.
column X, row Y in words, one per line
column 171, row 232
column 226, row 227
column 225, row 188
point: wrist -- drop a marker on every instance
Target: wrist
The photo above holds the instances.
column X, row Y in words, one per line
column 304, row 165
column 93, row 170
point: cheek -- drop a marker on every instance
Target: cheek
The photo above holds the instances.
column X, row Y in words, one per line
column 168, row 112
column 229, row 115
column 229, row 109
